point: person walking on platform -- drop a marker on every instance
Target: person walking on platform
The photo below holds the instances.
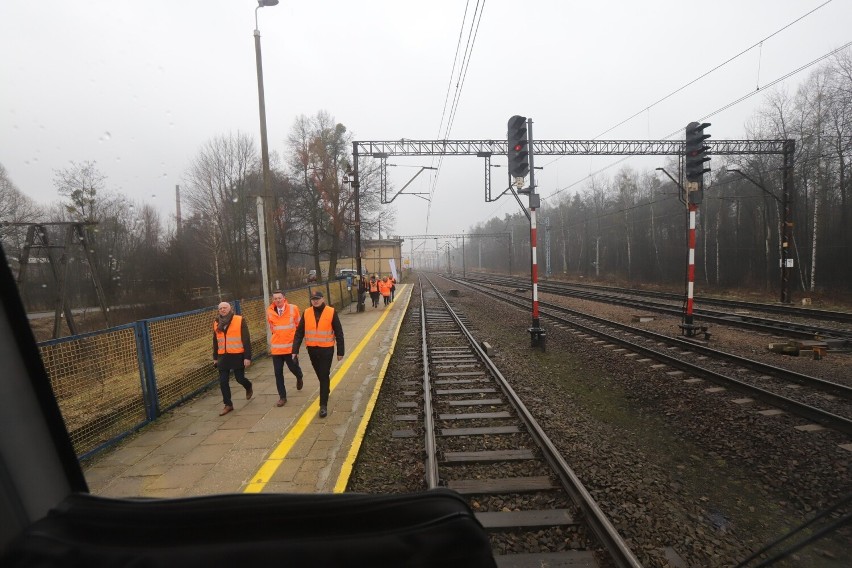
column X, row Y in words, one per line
column 320, row 329
column 374, row 290
column 393, row 286
column 283, row 317
column 231, row 352
column 384, row 289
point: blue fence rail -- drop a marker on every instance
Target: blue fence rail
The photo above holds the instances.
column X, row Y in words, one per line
column 112, row 382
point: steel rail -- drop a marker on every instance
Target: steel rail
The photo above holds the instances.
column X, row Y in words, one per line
column 598, row 521
column 767, row 325
column 432, row 478
column 828, row 419
column 812, row 313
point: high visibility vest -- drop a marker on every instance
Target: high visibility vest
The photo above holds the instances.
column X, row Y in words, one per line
column 283, row 328
column 319, row 333
column 384, row 287
column 232, row 341
column 374, row 286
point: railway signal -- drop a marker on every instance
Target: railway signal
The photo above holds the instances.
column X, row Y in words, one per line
column 518, row 148
column 696, row 151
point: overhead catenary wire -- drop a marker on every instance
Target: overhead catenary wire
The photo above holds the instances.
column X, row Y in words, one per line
column 649, row 107
column 715, row 112
column 460, row 78
column 714, row 69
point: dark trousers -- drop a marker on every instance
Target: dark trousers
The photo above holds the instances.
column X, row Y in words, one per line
column 375, row 297
column 321, row 359
column 278, row 366
column 224, row 378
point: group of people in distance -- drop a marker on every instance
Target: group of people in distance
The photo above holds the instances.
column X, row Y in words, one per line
column 383, row 287
column 320, row 330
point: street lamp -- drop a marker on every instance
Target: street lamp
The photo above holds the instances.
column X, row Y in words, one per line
column 785, row 235
column 266, row 227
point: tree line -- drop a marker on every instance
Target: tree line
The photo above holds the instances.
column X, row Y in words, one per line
column 214, row 248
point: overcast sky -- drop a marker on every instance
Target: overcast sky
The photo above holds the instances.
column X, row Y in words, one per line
column 140, row 86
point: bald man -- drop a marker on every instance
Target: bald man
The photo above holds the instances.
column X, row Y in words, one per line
column 231, row 352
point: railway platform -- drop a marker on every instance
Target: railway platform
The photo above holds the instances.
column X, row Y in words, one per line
column 259, row 447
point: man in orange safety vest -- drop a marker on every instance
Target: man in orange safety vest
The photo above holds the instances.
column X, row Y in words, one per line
column 320, row 329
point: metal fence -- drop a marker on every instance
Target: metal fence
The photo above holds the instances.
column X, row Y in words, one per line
column 110, row 383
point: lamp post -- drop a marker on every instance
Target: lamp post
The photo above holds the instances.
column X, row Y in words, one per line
column 266, row 226
column 784, row 234
column 356, row 187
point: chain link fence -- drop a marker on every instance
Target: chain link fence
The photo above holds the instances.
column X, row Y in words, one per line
column 112, row 382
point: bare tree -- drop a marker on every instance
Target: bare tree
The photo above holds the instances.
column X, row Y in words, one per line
column 80, row 183
column 219, row 183
column 15, row 207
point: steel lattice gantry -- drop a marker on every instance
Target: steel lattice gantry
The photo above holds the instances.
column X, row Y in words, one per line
column 383, row 149
column 481, row 148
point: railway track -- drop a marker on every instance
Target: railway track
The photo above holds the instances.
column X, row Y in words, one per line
column 837, row 337
column 482, row 442
column 824, row 402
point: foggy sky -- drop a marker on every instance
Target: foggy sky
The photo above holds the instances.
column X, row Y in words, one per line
column 139, row 87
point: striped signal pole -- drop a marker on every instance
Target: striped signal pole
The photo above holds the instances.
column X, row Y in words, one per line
column 695, row 160
column 690, row 272
column 537, row 333
column 533, row 241
column 519, row 141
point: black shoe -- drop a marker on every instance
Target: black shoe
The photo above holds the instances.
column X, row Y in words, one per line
column 323, row 412
column 299, row 383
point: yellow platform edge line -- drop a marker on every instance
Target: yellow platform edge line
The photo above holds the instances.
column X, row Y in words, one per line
column 346, row 469
column 268, row 468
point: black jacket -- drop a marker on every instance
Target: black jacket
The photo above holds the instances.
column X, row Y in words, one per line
column 335, row 325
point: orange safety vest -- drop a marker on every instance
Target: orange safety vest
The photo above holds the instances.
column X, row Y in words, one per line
column 283, row 328
column 232, row 340
column 384, row 287
column 374, row 286
column 319, row 334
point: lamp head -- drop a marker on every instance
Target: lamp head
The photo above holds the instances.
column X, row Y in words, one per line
column 262, row 3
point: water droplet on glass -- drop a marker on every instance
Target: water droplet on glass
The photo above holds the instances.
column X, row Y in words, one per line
column 118, row 158
column 235, row 199
column 106, row 136
column 44, row 285
column 153, row 195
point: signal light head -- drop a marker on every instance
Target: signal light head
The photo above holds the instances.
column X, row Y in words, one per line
column 695, row 151
column 518, row 141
